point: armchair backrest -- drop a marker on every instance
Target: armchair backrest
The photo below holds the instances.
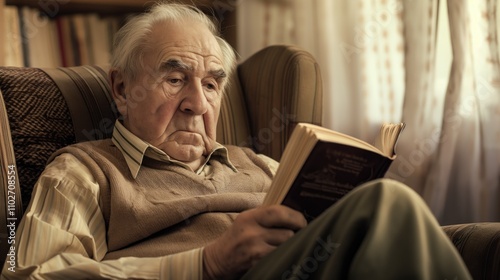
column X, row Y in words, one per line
column 282, row 86
column 43, row 110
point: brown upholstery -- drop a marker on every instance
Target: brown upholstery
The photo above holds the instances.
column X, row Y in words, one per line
column 479, row 246
column 261, row 112
column 51, row 108
column 274, row 108
column 40, row 121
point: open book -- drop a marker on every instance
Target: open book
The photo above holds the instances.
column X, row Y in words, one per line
column 319, row 166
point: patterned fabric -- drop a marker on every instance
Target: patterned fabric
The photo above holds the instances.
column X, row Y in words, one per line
column 275, row 107
column 479, row 245
column 39, row 120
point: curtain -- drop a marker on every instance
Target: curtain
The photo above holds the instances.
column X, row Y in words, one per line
column 432, row 64
column 463, row 182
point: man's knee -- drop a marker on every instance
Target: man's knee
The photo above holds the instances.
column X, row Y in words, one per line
column 378, row 198
column 388, row 187
column 388, row 193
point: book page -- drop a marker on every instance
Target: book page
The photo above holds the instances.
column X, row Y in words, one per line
column 387, row 138
column 329, row 135
column 297, row 150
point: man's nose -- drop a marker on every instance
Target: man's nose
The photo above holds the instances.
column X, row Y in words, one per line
column 194, row 101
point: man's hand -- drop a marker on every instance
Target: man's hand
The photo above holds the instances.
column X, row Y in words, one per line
column 253, row 235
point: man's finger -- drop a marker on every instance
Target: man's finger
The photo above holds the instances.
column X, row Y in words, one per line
column 278, row 216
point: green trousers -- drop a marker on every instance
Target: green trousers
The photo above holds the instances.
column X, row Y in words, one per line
column 380, row 230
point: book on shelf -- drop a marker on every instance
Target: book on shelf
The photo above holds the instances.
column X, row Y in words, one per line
column 99, row 39
column 13, row 41
column 41, row 37
column 34, row 39
column 63, row 24
column 319, row 166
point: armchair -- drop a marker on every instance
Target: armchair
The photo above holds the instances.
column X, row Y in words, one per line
column 43, row 110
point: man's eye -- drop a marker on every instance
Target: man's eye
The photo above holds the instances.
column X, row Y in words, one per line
column 211, row 85
column 174, row 81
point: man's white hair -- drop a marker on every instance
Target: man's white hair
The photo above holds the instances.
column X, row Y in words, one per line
column 129, row 42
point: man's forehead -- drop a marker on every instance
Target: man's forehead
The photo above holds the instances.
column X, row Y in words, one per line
column 190, row 42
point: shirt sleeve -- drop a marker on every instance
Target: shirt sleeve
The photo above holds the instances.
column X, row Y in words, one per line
column 63, row 235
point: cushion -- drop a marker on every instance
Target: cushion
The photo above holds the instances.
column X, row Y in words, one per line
column 39, row 121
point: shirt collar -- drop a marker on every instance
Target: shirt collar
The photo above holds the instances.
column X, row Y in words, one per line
column 135, row 149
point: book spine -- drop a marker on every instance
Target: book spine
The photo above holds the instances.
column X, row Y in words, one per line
column 60, row 38
column 24, row 38
column 66, row 40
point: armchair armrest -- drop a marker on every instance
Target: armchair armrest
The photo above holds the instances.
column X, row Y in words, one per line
column 479, row 246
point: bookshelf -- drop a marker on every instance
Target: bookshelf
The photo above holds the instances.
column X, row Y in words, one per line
column 223, row 10
column 111, row 6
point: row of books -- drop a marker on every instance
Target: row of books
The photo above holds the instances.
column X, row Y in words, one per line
column 36, row 40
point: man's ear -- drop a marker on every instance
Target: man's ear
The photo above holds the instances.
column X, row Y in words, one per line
column 117, row 81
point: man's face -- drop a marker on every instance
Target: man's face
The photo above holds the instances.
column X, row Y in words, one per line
column 174, row 103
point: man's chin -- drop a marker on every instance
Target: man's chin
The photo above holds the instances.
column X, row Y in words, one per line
column 185, row 153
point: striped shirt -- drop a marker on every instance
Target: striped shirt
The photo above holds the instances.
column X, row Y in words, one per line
column 63, row 234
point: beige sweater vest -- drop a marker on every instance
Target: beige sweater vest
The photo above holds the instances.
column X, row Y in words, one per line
column 167, row 208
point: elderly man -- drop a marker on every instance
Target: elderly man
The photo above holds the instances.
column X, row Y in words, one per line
column 163, row 200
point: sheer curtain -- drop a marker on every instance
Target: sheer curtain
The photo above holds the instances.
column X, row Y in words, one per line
column 432, row 64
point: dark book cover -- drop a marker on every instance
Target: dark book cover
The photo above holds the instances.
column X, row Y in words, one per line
column 329, row 173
